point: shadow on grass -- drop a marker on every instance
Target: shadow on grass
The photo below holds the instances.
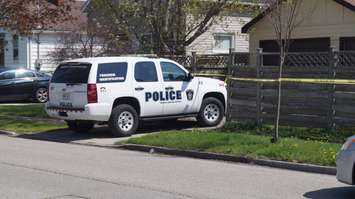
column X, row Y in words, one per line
column 332, row 193
column 102, row 132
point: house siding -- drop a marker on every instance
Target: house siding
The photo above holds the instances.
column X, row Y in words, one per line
column 48, row 43
column 322, row 18
column 231, row 25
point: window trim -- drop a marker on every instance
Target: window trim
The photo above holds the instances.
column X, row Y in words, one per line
column 161, row 68
column 15, row 47
column 155, row 67
column 221, row 50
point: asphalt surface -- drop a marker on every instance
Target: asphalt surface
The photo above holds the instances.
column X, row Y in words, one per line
column 41, row 169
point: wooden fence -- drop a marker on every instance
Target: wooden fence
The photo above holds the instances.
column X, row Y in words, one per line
column 303, row 104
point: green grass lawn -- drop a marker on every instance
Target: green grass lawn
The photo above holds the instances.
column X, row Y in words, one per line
column 9, row 122
column 318, row 134
column 256, row 146
column 27, row 127
column 35, row 110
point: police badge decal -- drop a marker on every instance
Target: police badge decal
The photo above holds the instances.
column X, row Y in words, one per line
column 190, row 94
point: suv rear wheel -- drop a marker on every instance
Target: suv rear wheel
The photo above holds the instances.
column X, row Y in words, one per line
column 124, row 120
column 211, row 112
column 80, row 126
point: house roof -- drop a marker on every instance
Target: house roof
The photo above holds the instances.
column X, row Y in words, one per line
column 347, row 3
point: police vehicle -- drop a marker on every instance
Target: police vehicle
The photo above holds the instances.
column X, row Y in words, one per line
column 122, row 91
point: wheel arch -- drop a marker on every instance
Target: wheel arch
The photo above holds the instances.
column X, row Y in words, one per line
column 128, row 100
column 216, row 95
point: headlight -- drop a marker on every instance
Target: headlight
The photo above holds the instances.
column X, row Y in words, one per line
column 348, row 144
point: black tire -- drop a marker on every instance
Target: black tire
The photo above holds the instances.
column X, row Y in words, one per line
column 41, row 95
column 211, row 112
column 80, row 126
column 129, row 120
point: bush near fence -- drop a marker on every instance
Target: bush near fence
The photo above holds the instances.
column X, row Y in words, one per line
column 303, row 104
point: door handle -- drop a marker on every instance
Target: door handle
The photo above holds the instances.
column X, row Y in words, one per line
column 139, row 88
column 169, row 88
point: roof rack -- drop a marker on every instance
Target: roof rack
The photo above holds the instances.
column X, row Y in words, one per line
column 141, row 55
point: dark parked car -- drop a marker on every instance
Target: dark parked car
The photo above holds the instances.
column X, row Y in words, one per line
column 23, row 85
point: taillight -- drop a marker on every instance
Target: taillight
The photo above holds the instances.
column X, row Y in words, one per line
column 92, row 93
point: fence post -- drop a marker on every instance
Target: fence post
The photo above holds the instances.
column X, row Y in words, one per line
column 333, row 60
column 230, row 64
column 193, row 62
column 259, row 63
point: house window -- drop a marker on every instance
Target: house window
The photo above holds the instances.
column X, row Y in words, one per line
column 15, row 41
column 223, row 42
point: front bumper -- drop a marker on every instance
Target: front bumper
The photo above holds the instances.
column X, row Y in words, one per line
column 345, row 165
column 90, row 112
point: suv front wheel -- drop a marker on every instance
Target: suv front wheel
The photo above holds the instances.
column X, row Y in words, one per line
column 124, row 120
column 211, row 112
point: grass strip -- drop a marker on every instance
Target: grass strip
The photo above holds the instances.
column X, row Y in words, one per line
column 318, row 134
column 33, row 110
column 27, row 127
column 255, row 146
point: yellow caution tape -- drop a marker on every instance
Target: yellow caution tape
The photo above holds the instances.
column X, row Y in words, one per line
column 292, row 80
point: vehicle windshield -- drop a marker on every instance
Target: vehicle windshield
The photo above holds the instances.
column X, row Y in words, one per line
column 72, row 73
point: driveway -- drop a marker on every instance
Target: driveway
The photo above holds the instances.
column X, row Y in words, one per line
column 40, row 169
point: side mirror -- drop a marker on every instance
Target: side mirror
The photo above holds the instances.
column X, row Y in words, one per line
column 190, row 76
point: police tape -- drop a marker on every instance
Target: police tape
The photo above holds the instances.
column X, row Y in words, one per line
column 289, row 80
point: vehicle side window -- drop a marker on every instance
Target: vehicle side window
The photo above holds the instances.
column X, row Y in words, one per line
column 145, row 72
column 172, row 72
column 7, row 75
column 111, row 72
column 24, row 74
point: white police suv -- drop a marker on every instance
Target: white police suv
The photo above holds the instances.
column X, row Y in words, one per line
column 125, row 90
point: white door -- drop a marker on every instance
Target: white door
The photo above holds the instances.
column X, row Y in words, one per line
column 180, row 92
column 147, row 87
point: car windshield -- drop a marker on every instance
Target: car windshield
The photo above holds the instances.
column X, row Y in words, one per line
column 72, row 73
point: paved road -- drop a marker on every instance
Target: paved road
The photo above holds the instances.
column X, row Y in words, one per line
column 40, row 169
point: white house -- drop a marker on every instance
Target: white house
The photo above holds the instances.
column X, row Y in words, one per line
column 222, row 36
column 23, row 51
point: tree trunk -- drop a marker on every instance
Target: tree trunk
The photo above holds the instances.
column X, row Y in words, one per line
column 275, row 138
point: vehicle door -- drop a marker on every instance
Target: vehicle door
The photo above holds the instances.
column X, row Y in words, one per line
column 147, row 87
column 25, row 84
column 7, row 86
column 180, row 91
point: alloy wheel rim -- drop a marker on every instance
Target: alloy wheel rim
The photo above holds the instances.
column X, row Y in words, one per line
column 126, row 121
column 42, row 95
column 211, row 112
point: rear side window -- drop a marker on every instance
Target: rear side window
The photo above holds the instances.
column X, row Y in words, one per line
column 111, row 72
column 145, row 72
column 72, row 73
column 7, row 75
column 24, row 74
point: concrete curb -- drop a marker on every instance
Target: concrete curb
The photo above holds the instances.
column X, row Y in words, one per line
column 9, row 133
column 240, row 159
